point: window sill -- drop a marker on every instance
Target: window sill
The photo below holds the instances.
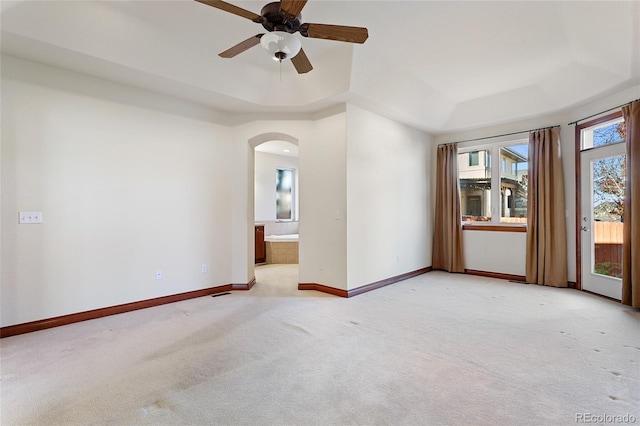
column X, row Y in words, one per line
column 494, row 227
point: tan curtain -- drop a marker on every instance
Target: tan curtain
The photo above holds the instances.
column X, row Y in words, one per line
column 631, row 233
column 546, row 227
column 447, row 236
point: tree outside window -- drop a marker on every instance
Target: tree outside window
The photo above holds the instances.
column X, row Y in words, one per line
column 609, row 176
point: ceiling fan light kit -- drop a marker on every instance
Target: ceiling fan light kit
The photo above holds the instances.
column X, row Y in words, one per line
column 281, row 45
column 282, row 20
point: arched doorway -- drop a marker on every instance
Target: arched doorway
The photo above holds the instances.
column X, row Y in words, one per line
column 275, row 194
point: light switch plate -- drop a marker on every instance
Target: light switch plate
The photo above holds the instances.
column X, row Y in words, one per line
column 30, row 217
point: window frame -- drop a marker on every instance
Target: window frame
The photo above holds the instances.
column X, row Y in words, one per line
column 493, row 150
column 578, row 149
column 599, row 123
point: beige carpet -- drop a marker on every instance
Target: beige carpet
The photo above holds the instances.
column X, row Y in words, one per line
column 436, row 349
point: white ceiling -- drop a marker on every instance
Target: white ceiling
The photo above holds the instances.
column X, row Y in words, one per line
column 276, row 147
column 436, row 65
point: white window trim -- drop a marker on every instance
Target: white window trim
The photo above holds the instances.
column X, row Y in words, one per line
column 494, row 149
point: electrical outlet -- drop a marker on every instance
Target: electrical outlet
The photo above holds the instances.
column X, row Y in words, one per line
column 203, row 268
column 321, row 266
column 158, row 275
column 30, row 217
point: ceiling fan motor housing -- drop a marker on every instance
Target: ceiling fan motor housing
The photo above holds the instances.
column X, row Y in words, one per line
column 272, row 19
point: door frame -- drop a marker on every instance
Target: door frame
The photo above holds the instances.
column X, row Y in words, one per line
column 578, row 183
column 599, row 283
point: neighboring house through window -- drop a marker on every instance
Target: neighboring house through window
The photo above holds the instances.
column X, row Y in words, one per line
column 474, row 158
column 494, row 193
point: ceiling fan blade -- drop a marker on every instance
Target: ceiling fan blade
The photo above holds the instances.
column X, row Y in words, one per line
column 227, row 7
column 292, row 8
column 301, row 62
column 241, row 47
column 335, row 32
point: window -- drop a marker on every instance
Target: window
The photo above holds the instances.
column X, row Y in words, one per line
column 499, row 188
column 607, row 133
column 284, row 198
column 474, row 205
column 474, row 158
column 513, row 184
column 475, row 186
column 603, row 173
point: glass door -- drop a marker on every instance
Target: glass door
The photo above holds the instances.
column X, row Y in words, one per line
column 602, row 195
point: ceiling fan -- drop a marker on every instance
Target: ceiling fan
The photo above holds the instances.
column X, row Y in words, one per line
column 282, row 19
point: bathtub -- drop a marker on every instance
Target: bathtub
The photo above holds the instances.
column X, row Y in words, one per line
column 288, row 237
column 282, row 248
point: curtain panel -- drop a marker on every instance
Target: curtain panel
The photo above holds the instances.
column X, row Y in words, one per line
column 631, row 232
column 546, row 261
column 447, row 235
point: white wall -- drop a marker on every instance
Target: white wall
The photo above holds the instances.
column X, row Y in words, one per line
column 128, row 182
column 491, row 258
column 323, row 204
column 389, row 228
column 321, row 143
column 265, row 184
column 350, row 162
column 131, row 182
column 474, row 243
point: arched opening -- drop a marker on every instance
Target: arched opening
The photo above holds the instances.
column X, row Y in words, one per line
column 275, row 191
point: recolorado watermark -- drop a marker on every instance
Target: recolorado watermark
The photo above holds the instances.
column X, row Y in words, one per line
column 605, row 418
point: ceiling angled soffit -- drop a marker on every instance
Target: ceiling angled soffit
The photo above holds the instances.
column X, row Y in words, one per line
column 580, row 63
column 35, row 50
column 396, row 92
column 436, row 65
column 151, row 38
column 471, row 64
column 455, row 52
column 605, row 35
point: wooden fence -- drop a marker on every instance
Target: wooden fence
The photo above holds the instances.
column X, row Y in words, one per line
column 607, row 232
column 607, row 238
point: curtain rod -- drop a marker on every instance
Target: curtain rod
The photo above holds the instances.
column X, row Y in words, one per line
column 499, row 136
column 601, row 112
